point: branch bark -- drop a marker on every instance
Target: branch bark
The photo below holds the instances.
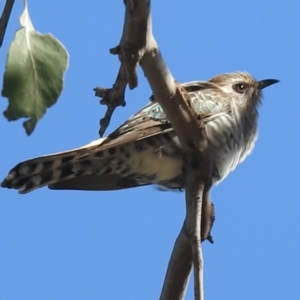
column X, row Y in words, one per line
column 138, row 46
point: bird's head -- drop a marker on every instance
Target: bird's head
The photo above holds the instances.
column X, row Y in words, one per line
column 243, row 87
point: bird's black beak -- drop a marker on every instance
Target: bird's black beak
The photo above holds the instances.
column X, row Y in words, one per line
column 266, row 82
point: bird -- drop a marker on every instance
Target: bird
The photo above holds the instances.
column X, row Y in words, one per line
column 145, row 149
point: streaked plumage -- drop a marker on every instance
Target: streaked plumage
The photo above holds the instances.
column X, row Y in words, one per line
column 145, row 149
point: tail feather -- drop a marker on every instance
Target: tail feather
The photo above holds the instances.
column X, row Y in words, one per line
column 31, row 183
column 46, row 176
column 37, row 172
column 28, row 169
column 52, row 161
column 30, row 175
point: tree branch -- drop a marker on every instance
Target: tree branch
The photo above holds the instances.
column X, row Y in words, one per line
column 130, row 50
column 112, row 98
column 138, row 45
column 179, row 268
column 4, row 18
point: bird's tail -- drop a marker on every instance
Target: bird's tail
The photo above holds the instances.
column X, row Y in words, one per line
column 41, row 171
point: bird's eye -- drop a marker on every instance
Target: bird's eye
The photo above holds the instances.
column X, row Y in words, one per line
column 240, row 87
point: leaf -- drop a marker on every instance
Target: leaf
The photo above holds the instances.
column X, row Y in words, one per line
column 34, row 71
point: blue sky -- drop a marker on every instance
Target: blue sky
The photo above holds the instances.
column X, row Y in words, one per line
column 116, row 245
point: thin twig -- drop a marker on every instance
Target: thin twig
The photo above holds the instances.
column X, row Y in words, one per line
column 112, row 98
column 130, row 51
column 5, row 18
column 195, row 240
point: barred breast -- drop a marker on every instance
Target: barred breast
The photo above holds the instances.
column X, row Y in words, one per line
column 229, row 143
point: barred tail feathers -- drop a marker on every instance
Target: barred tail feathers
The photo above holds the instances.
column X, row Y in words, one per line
column 37, row 172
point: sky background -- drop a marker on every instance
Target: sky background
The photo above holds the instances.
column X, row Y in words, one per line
column 116, row 245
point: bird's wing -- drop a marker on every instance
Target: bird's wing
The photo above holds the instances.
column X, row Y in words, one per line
column 206, row 101
column 149, row 121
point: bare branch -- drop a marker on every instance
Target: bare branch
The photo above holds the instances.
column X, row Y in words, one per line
column 130, row 50
column 133, row 41
column 175, row 103
column 4, row 19
column 196, row 193
column 138, row 45
column 193, row 139
column 179, row 268
column 112, row 98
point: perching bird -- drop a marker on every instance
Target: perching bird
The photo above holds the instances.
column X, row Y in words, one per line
column 145, row 149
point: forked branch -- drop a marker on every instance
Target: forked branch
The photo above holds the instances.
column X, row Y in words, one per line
column 138, row 46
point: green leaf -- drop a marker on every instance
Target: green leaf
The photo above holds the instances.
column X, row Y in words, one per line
column 34, row 71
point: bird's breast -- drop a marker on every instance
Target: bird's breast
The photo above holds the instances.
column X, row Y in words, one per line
column 227, row 144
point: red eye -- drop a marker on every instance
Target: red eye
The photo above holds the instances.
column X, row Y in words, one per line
column 240, row 87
